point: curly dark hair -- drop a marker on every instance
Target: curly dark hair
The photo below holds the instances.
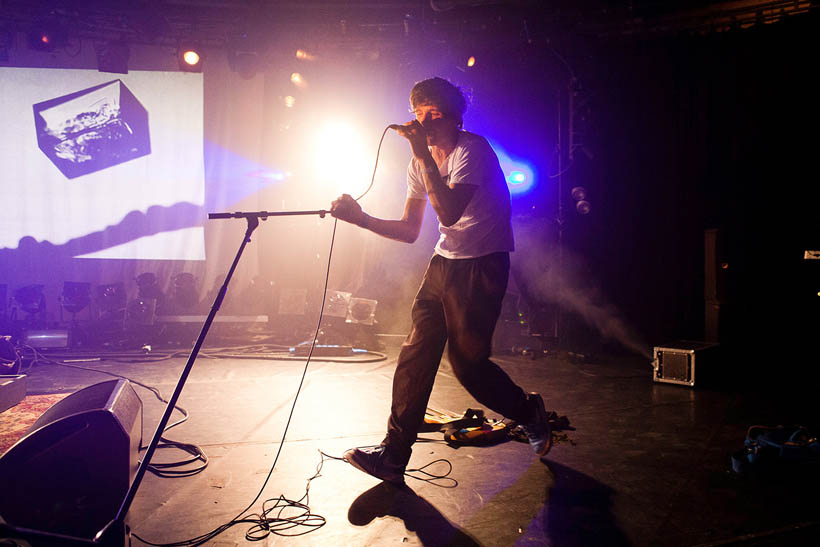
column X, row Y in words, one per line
column 438, row 91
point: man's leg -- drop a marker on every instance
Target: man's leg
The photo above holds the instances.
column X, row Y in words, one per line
column 412, row 381
column 473, row 295
column 472, row 304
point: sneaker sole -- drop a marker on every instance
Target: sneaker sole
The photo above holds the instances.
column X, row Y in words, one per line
column 542, row 415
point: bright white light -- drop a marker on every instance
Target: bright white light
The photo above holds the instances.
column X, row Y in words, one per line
column 290, row 101
column 298, row 80
column 304, row 55
column 516, row 177
column 340, row 161
column 191, row 57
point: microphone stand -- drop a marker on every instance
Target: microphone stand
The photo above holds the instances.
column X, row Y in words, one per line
column 115, row 532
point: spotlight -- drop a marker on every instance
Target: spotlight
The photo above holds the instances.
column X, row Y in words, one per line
column 76, row 296
column 111, row 300
column 362, row 310
column 185, row 295
column 112, row 57
column 579, row 193
column 140, row 312
column 582, row 206
column 346, row 163
column 31, row 299
column 337, row 303
column 190, row 58
column 470, row 61
column 517, row 177
column 148, row 288
column 303, row 55
column 298, row 80
column 47, row 36
column 290, row 101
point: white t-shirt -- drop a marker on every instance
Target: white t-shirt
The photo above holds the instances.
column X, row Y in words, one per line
column 485, row 227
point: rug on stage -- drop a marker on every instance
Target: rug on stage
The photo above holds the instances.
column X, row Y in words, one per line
column 15, row 421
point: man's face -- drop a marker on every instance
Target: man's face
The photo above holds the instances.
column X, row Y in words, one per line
column 435, row 123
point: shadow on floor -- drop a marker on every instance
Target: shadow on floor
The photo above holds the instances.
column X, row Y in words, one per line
column 579, row 510
column 418, row 515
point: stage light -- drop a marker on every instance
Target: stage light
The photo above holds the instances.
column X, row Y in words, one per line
column 111, row 300
column 76, row 296
column 519, row 179
column 298, row 80
column 267, row 174
column 290, row 101
column 31, row 299
column 190, row 58
column 303, row 55
column 582, row 206
column 471, row 61
column 579, row 193
column 184, row 295
column 518, row 173
column 362, row 310
column 149, row 289
column 346, row 162
column 47, row 36
column 140, row 312
column 337, row 303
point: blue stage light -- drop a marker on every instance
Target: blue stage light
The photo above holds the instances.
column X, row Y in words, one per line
column 516, row 177
column 518, row 173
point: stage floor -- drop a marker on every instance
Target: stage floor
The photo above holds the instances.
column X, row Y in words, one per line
column 647, row 464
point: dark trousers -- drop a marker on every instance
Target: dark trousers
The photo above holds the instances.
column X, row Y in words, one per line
column 459, row 301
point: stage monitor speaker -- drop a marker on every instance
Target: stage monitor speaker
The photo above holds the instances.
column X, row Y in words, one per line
column 70, row 471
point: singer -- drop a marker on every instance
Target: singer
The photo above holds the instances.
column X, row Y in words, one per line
column 459, row 300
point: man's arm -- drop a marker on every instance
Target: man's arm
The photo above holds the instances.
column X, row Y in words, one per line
column 449, row 202
column 406, row 229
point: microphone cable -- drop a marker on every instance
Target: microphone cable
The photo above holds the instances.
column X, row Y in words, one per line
column 264, row 525
column 376, row 166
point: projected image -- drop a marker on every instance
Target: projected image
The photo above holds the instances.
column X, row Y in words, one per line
column 84, row 178
column 92, row 129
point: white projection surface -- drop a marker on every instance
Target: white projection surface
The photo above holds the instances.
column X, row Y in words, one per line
column 103, row 165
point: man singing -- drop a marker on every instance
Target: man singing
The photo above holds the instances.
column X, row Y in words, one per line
column 459, row 300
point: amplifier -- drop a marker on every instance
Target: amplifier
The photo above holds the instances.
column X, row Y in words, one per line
column 46, row 339
column 682, row 362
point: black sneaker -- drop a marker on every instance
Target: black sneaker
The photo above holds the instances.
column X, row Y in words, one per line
column 539, row 432
column 375, row 461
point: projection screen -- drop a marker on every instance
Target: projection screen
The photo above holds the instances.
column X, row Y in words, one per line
column 103, row 165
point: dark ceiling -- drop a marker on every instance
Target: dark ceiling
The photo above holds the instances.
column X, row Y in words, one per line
column 218, row 23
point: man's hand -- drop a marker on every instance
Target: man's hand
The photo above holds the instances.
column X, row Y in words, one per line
column 348, row 209
column 415, row 133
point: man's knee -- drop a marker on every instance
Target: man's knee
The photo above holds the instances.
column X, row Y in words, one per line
column 468, row 361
